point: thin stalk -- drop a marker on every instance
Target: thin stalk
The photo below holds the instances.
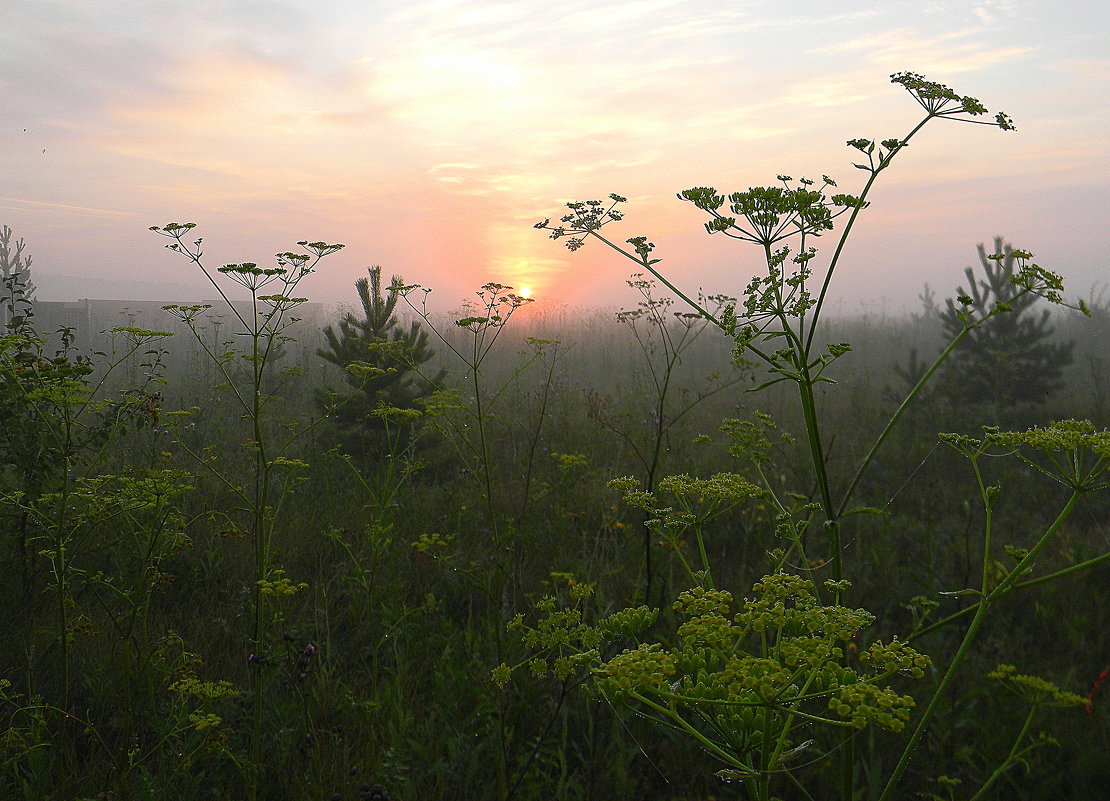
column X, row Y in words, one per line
column 1084, row 565
column 985, row 601
column 905, row 404
column 889, row 427
column 681, row 724
column 261, row 498
column 1013, row 587
column 483, row 453
column 787, row 725
column 1010, row 758
column 934, row 702
column 526, row 501
column 61, row 578
column 813, row 434
column 1004, row 586
column 835, row 260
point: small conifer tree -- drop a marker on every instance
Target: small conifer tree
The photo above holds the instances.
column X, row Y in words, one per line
column 386, row 356
column 1010, row 359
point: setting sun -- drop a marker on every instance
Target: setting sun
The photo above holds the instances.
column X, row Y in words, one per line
column 526, row 291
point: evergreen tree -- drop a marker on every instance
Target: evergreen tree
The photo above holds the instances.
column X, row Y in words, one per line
column 1009, row 359
column 378, row 342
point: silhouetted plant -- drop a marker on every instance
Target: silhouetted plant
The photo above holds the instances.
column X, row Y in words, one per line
column 749, row 685
column 15, row 272
column 380, row 358
column 274, row 475
column 663, row 336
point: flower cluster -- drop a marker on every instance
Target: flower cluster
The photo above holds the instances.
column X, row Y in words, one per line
column 697, row 501
column 1034, row 689
column 768, row 214
column 740, row 679
column 586, row 217
column 291, row 267
column 1062, row 435
column 206, row 690
column 560, row 643
column 432, row 543
column 280, row 585
column 940, row 101
column 863, row 704
column 1062, row 450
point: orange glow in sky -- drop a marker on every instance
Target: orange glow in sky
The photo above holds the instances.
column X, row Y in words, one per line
column 430, row 136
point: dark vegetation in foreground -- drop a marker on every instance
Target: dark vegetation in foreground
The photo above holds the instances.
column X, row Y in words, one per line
column 385, row 629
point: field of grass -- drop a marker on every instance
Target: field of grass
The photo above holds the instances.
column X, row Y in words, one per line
column 400, row 572
column 700, row 548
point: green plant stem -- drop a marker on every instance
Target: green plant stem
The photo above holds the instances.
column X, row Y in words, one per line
column 61, row 577
column 813, row 432
column 985, row 601
column 1067, row 571
column 680, row 723
column 261, row 570
column 934, row 702
column 787, row 726
column 530, row 462
column 893, row 421
column 483, row 452
column 1018, row 585
column 835, row 260
column 1003, row 587
column 1010, row 758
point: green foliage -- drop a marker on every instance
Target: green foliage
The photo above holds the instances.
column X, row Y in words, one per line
column 747, row 686
column 275, row 476
column 15, row 277
column 740, row 701
column 347, row 611
column 381, row 361
column 664, row 338
column 91, row 545
column 1010, row 359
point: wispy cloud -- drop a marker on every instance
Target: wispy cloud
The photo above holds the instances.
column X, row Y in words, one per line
column 436, row 131
column 38, row 205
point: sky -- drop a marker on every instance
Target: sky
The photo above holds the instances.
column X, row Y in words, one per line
column 429, row 136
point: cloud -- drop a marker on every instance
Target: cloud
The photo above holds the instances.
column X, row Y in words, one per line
column 902, row 48
column 38, row 205
column 432, row 130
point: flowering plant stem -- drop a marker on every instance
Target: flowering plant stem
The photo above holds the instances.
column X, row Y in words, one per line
column 777, row 321
column 264, row 323
column 986, row 599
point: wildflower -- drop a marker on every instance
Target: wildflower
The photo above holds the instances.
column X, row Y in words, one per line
column 1034, row 689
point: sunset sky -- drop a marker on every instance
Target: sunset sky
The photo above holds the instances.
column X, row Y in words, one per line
column 430, row 135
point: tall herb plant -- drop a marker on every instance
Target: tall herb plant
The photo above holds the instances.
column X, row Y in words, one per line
column 268, row 314
column 91, row 539
column 467, row 424
column 769, row 683
column 663, row 337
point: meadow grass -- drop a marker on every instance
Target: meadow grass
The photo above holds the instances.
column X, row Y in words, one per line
column 207, row 599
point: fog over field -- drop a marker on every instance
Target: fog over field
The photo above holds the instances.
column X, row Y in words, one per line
column 494, row 400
